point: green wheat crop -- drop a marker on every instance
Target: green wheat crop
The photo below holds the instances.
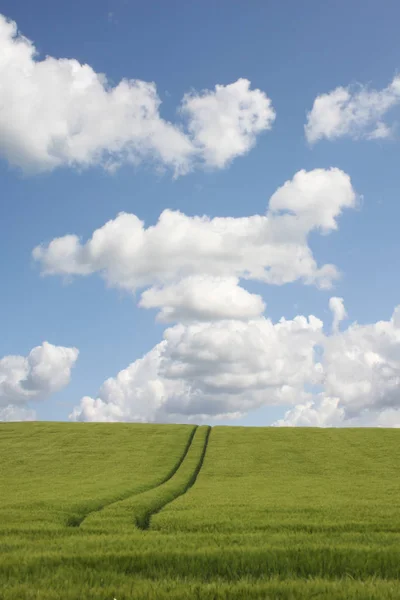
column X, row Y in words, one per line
column 103, row 511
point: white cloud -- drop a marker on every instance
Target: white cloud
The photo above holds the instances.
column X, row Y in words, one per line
column 339, row 312
column 362, row 366
column 45, row 370
column 387, row 418
column 361, row 383
column 224, row 369
column 313, row 413
column 355, row 111
column 185, row 255
column 224, row 123
column 58, row 112
column 16, row 413
column 203, row 298
column 316, row 198
column 212, row 370
column 136, row 394
column 327, row 412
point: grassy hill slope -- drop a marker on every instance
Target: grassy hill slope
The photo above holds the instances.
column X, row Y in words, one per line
column 296, row 479
column 243, row 513
column 52, row 474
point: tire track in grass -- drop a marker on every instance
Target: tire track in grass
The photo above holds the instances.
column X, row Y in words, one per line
column 138, row 510
column 184, row 478
column 77, row 520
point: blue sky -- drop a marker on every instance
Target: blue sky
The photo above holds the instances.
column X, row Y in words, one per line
column 292, row 52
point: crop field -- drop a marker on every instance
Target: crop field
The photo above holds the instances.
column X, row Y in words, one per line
column 104, row 511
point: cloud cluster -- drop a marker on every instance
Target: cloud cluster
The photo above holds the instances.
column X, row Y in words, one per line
column 211, row 370
column 192, row 264
column 223, row 357
column 11, row 412
column 58, row 112
column 207, row 370
column 361, row 383
column 354, row 111
column 45, row 370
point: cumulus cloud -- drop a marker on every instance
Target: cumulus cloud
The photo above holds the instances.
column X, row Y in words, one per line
column 224, row 369
column 59, row 112
column 353, row 111
column 327, row 412
column 45, row 370
column 315, row 198
column 363, row 366
column 323, row 412
column 16, row 413
column 183, row 259
column 202, row 298
column 361, row 382
column 224, row 123
column 136, row 394
column 339, row 312
column 209, row 370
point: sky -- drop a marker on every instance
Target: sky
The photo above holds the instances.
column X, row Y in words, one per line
column 199, row 212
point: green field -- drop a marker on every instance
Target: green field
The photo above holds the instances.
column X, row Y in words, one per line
column 103, row 511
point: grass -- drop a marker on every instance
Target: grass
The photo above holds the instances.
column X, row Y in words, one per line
column 55, row 474
column 138, row 509
column 236, row 513
column 297, row 479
